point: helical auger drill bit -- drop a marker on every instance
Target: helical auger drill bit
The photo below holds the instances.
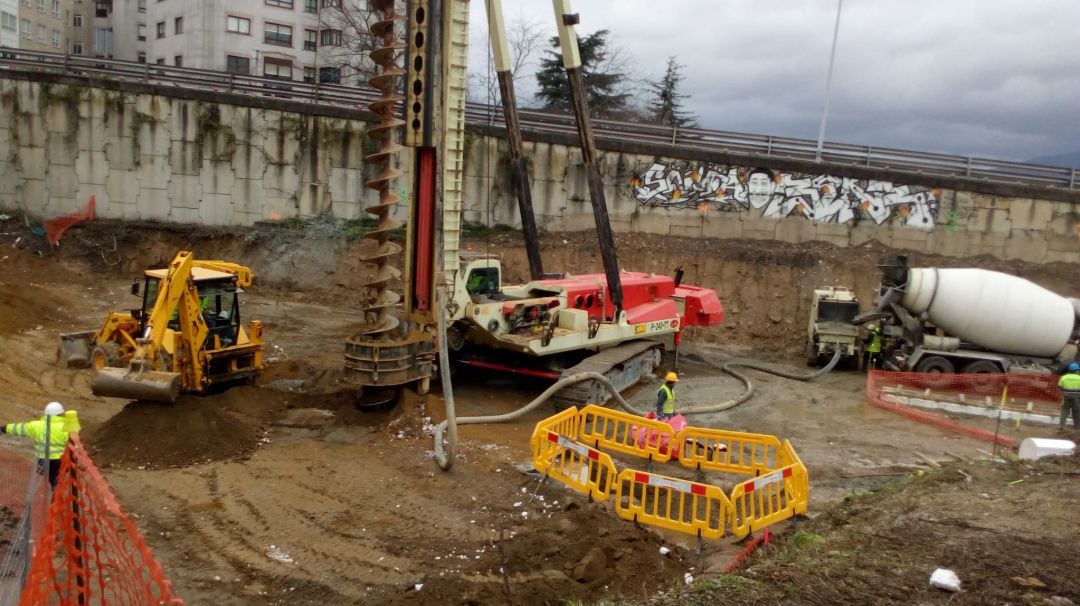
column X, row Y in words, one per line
column 377, row 319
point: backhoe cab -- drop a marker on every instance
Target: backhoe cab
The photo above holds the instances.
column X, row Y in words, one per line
column 185, row 337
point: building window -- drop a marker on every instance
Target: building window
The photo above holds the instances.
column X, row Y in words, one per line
column 238, row 65
column 101, row 9
column 160, row 30
column 142, row 32
column 76, row 48
column 9, row 21
column 141, row 57
column 41, row 6
column 311, row 6
column 281, row 35
column 103, row 41
column 331, row 37
column 56, row 41
column 142, row 6
column 178, row 61
column 238, row 25
column 26, row 32
column 331, row 75
column 42, row 34
column 56, row 8
column 277, row 68
column 311, row 39
column 26, row 2
column 76, row 21
column 331, row 3
column 160, row 61
column 178, row 25
column 280, row 3
column 309, row 74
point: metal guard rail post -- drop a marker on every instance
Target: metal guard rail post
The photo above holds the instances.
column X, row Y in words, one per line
column 347, row 97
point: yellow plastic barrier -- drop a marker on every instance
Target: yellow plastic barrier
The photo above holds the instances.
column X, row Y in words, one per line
column 584, row 469
column 770, row 498
column 728, row 451
column 680, row 505
column 566, row 423
column 626, row 433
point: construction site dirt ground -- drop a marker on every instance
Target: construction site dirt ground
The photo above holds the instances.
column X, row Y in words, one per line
column 284, row 492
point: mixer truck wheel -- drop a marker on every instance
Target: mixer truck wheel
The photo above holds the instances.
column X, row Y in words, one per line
column 934, row 366
column 982, row 367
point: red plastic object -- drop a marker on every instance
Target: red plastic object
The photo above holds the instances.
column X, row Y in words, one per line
column 55, row 228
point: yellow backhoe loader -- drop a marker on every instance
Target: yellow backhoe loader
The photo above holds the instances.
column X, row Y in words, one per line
column 186, row 337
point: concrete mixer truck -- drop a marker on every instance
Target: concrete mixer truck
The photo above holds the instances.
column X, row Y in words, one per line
column 972, row 321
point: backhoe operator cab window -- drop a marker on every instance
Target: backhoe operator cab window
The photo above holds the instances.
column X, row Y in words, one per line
column 219, row 302
column 483, row 281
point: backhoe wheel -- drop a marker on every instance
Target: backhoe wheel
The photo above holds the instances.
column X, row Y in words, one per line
column 105, row 356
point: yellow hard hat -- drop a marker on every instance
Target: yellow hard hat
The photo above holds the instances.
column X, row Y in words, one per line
column 674, row 378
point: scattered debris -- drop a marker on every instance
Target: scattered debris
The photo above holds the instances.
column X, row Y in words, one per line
column 945, row 579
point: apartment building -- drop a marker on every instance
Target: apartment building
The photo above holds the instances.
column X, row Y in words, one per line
column 9, row 23
column 39, row 25
column 111, row 29
column 282, row 39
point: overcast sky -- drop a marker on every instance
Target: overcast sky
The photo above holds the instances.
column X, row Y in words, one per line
column 991, row 78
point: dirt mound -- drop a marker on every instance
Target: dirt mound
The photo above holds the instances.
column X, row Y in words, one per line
column 996, row 525
column 153, row 435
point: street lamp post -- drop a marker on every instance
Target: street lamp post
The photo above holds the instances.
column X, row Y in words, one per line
column 828, row 83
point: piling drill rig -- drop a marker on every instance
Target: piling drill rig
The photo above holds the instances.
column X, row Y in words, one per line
column 553, row 325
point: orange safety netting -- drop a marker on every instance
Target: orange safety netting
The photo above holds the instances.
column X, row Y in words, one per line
column 1007, row 394
column 90, row 551
column 55, row 228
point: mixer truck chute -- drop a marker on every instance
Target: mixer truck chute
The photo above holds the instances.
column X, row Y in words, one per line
column 967, row 320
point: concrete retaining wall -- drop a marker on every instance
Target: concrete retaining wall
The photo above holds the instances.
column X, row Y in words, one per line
column 222, row 160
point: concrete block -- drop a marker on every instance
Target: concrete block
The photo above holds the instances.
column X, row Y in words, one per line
column 8, row 177
column 184, row 120
column 122, row 186
column 345, row 185
column 1057, row 243
column 121, row 153
column 985, row 201
column 62, row 182
column 30, row 131
column 155, row 107
column 795, row 229
column 153, row 171
column 999, row 222
column 964, row 200
column 217, row 209
column 1031, row 214
column 652, row 223
column 93, row 106
column 185, row 191
column 249, row 197
column 152, row 204
column 911, row 235
column 281, row 181
column 841, row 241
column 345, row 146
column 248, row 161
column 619, row 225
column 867, row 231
column 59, row 118
column 949, row 244
column 314, row 200
column 191, row 216
column 978, row 220
column 30, row 162
column 32, row 197
column 1028, row 245
column 153, row 139
column 579, row 222
column 60, row 150
column 29, row 98
column 832, row 229
column 685, row 217
column 347, row 210
column 102, row 202
column 243, row 218
column 92, row 167
column 184, row 158
column 61, row 206
column 7, row 142
column 1065, row 224
column 217, row 177
column 758, row 228
column 1061, row 257
column 281, row 147
column 92, row 135
column 277, row 209
column 722, row 225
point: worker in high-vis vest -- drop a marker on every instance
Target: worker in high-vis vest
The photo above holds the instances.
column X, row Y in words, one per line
column 1070, row 391
column 665, row 397
column 50, row 435
column 873, row 346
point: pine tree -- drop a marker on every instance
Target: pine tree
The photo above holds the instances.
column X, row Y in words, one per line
column 667, row 105
column 603, row 80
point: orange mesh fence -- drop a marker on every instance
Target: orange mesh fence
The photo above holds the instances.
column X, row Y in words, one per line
column 90, row 551
column 1012, row 395
column 55, row 228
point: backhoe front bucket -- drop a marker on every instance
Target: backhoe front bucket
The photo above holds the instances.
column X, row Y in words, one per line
column 74, row 350
column 150, row 385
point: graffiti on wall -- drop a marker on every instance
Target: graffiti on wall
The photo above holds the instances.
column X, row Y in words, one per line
column 777, row 194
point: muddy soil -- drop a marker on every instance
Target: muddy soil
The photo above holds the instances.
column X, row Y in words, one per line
column 284, row 492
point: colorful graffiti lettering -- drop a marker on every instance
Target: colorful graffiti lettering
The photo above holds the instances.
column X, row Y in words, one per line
column 774, row 194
